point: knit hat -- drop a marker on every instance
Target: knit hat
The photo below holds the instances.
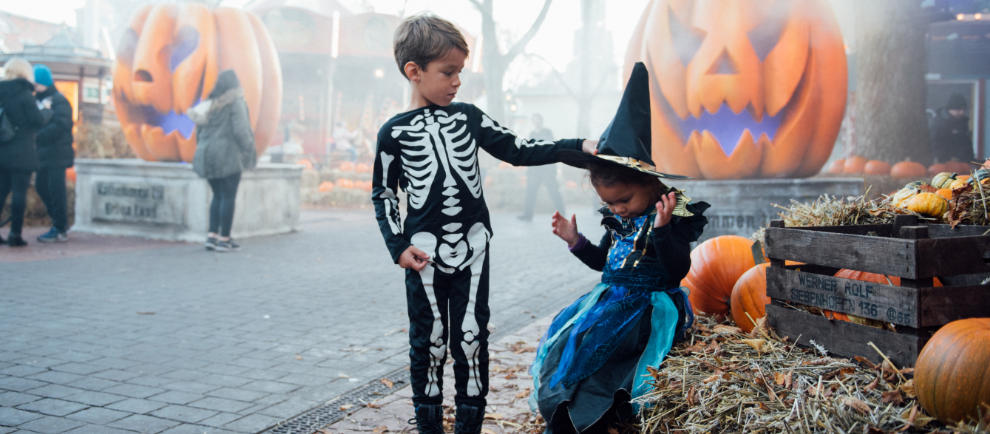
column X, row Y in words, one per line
column 956, row 101
column 43, row 75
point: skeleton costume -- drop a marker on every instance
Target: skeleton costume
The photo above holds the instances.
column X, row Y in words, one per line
column 432, row 154
column 596, row 353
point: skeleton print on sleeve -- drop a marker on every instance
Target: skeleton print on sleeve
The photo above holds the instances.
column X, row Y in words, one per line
column 505, row 145
column 385, row 183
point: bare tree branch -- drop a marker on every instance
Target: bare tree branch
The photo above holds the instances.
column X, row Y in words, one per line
column 521, row 43
column 477, row 5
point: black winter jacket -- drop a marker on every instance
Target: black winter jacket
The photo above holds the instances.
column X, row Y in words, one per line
column 54, row 140
column 17, row 98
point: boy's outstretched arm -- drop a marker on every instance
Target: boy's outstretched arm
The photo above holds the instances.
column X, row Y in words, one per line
column 503, row 144
column 384, row 185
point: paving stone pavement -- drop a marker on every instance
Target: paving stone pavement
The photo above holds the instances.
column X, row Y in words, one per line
column 113, row 334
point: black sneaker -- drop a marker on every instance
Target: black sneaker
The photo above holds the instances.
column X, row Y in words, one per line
column 226, row 246
column 429, row 418
column 16, row 241
column 468, row 419
column 211, row 243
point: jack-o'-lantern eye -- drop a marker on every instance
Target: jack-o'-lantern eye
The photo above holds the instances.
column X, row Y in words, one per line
column 765, row 36
column 127, row 46
column 686, row 39
column 186, row 41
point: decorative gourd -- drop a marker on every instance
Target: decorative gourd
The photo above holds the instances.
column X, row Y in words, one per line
column 943, row 179
column 168, row 60
column 716, row 264
column 929, row 204
column 960, row 182
column 854, row 165
column 749, row 297
column 952, row 373
column 908, row 169
column 899, row 197
column 981, row 175
column 744, row 90
column 876, row 167
column 945, row 193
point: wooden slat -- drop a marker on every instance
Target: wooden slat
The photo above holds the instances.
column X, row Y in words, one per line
column 883, row 230
column 895, row 304
column 866, row 253
column 944, row 231
column 953, row 255
column 942, row 305
column 843, row 338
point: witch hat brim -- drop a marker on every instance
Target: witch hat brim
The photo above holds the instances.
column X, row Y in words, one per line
column 627, row 140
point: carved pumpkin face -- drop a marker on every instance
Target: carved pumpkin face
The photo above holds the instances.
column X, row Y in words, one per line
column 168, row 61
column 742, row 88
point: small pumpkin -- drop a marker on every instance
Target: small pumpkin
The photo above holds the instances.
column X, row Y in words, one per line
column 902, row 195
column 836, row 167
column 854, row 165
column 70, row 174
column 945, row 192
column 749, row 299
column 958, row 166
column 929, row 204
column 876, row 167
column 716, row 264
column 325, row 186
column 953, row 370
column 908, row 169
column 937, row 168
column 960, row 182
column 882, row 279
column 943, row 179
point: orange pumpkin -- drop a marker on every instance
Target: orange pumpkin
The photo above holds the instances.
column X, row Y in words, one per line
column 837, row 166
column 70, row 174
column 742, row 89
column 946, row 193
column 908, row 169
column 952, row 374
column 876, row 167
column 347, row 166
column 749, row 299
column 854, row 165
column 306, row 164
column 958, row 166
column 168, row 60
column 846, row 273
column 937, row 168
column 325, row 186
column 716, row 264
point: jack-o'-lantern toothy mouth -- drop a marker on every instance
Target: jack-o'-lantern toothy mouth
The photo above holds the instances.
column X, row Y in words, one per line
column 168, row 122
column 728, row 127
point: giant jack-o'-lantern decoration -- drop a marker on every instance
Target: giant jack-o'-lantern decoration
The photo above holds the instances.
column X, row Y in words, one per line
column 168, row 61
column 742, row 88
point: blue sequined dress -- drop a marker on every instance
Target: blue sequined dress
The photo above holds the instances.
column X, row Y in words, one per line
column 595, row 353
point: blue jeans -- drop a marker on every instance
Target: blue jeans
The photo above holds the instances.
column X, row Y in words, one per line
column 222, row 206
column 50, row 184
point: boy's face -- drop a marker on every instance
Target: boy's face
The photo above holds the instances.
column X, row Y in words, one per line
column 439, row 81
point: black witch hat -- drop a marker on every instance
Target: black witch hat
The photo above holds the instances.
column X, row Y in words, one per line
column 627, row 140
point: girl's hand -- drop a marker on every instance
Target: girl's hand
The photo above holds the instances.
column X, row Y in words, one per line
column 665, row 209
column 414, row 258
column 564, row 228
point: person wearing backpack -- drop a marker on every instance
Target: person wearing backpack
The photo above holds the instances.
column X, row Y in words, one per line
column 55, row 154
column 18, row 157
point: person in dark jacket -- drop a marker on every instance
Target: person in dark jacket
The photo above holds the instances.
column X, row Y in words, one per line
column 55, row 154
column 224, row 148
column 952, row 138
column 18, row 157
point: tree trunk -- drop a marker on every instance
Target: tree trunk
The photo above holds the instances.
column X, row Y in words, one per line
column 494, row 62
column 889, row 108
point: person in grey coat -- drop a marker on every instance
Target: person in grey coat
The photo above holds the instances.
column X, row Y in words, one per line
column 224, row 148
column 18, row 156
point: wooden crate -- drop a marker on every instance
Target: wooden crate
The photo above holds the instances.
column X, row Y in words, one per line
column 959, row 257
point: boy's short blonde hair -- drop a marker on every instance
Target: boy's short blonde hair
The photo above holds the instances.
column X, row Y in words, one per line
column 18, row 67
column 424, row 38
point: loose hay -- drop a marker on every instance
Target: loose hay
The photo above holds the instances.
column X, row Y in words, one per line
column 723, row 380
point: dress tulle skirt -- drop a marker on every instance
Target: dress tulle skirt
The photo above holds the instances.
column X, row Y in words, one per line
column 595, row 354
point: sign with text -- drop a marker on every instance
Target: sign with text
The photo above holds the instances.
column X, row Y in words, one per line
column 138, row 202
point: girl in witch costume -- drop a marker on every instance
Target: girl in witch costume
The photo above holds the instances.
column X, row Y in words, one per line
column 595, row 354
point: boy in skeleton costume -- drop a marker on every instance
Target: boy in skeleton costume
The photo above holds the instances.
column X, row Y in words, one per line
column 431, row 152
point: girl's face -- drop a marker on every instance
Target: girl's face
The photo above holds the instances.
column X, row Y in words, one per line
column 627, row 200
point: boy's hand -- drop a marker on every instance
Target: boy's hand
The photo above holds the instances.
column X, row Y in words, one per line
column 564, row 228
column 665, row 209
column 589, row 146
column 414, row 258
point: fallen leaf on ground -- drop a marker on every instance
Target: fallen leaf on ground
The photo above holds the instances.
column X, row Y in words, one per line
column 856, row 404
column 388, row 383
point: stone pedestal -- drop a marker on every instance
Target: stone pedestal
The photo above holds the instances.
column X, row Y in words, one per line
column 741, row 207
column 168, row 201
